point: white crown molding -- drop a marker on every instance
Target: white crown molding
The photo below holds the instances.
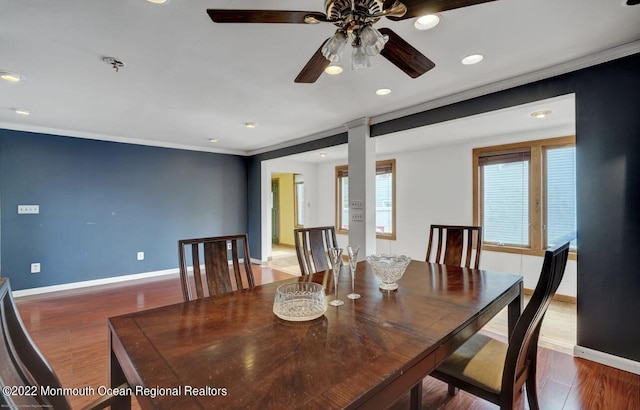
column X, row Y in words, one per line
column 112, row 138
column 607, row 359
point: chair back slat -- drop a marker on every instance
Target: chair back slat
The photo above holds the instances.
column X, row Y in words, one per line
column 318, row 250
column 455, row 242
column 312, row 245
column 455, row 245
column 216, row 260
column 22, row 362
column 197, row 275
column 220, row 256
column 469, row 240
column 236, row 262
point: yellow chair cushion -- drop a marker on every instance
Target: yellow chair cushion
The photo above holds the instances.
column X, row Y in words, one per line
column 480, row 361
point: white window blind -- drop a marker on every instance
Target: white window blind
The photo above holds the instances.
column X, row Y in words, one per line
column 505, row 193
column 561, row 194
column 384, row 197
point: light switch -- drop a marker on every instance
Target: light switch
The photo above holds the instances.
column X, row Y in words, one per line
column 357, row 217
column 356, row 204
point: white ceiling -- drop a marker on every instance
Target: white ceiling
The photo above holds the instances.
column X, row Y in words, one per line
column 188, row 79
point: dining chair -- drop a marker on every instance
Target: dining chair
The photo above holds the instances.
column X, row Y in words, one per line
column 496, row 371
column 457, row 245
column 224, row 260
column 25, row 369
column 312, row 245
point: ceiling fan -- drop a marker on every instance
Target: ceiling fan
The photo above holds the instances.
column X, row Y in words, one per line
column 355, row 19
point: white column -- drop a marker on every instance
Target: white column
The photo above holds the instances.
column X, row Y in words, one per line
column 362, row 187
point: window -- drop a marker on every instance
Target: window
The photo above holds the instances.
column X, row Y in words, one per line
column 525, row 194
column 298, row 199
column 385, row 199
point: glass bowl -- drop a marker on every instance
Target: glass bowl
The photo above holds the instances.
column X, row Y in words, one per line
column 389, row 268
column 299, row 301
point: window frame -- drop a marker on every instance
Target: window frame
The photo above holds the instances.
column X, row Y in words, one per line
column 380, row 165
column 537, row 191
column 296, row 218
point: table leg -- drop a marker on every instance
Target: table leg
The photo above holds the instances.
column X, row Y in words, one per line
column 515, row 308
column 415, row 401
column 117, row 378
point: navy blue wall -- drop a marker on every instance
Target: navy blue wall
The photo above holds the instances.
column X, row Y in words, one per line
column 608, row 188
column 102, row 202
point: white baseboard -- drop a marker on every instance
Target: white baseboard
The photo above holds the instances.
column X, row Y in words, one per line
column 105, row 281
column 95, row 282
column 607, row 359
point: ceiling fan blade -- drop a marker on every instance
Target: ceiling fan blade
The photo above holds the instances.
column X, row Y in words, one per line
column 417, row 8
column 263, row 16
column 404, row 56
column 314, row 68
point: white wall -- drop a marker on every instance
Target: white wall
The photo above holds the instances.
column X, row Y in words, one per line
column 435, row 186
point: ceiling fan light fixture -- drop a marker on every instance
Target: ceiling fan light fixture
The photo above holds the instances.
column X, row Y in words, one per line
column 427, row 22
column 333, row 69
column 472, row 59
column 359, row 58
column 332, row 48
column 372, row 40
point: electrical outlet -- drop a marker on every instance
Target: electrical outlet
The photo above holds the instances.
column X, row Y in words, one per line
column 28, row 209
column 35, row 267
column 140, row 256
column 228, row 246
column 357, row 217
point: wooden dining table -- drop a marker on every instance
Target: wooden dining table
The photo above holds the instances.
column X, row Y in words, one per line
column 231, row 351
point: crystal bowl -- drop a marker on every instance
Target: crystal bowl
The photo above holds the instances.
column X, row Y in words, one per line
column 299, row 301
column 389, row 268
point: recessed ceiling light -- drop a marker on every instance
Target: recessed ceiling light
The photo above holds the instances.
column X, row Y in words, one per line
column 157, row 1
column 333, row 69
column 427, row 22
column 323, row 154
column 383, row 91
column 22, row 111
column 213, row 140
column 250, row 124
column 11, row 77
column 540, row 114
column 472, row 59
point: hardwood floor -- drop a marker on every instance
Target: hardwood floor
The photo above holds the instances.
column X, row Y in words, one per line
column 70, row 328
